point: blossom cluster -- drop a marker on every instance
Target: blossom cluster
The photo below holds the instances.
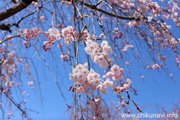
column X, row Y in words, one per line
column 84, row 78
column 99, row 53
column 105, row 85
column 52, row 35
column 145, row 6
column 116, row 73
column 176, row 18
column 124, row 87
column 67, row 33
column 155, row 66
column 160, row 31
column 70, row 35
column 9, row 66
column 126, row 3
column 8, row 83
column 31, row 33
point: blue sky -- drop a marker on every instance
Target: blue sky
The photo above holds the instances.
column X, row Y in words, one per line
column 156, row 88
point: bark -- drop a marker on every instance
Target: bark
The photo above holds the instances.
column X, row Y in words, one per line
column 15, row 9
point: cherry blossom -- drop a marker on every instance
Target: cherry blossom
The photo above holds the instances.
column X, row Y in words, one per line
column 99, row 53
column 52, row 35
column 32, row 33
column 70, row 35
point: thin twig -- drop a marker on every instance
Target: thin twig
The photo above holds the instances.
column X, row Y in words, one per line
column 52, row 76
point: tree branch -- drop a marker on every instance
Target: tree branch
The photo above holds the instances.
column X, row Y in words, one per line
column 17, row 105
column 8, row 26
column 15, row 9
column 1, row 42
column 5, row 27
column 94, row 7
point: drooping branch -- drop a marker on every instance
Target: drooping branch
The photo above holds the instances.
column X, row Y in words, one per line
column 15, row 9
column 94, row 7
column 17, row 105
column 1, row 42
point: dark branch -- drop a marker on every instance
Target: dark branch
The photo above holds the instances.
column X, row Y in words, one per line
column 5, row 27
column 8, row 26
column 94, row 7
column 15, row 9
